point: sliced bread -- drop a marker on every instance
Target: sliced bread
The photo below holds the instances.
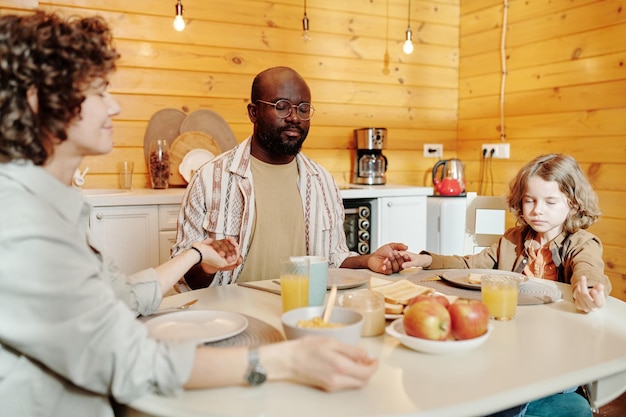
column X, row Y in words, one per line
column 402, row 291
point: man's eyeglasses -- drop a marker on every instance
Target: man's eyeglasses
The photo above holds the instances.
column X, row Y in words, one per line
column 284, row 108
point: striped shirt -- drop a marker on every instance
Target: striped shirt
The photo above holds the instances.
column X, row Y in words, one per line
column 219, row 202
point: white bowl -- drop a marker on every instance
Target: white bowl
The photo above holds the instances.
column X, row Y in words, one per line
column 350, row 333
column 438, row 347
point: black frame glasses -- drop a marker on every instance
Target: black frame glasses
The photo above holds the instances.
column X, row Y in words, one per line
column 284, row 108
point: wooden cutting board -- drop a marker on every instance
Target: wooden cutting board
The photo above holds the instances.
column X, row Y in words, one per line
column 184, row 143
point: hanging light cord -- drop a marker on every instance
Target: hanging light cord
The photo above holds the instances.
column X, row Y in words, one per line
column 504, row 70
column 305, row 19
column 409, row 20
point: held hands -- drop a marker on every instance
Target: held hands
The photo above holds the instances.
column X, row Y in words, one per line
column 329, row 364
column 412, row 260
column 588, row 299
column 219, row 255
column 387, row 259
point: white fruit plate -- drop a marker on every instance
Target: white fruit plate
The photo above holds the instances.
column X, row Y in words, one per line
column 437, row 347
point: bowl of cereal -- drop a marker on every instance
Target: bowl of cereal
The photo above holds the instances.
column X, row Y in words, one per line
column 344, row 324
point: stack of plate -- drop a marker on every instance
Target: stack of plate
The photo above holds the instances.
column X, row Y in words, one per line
column 194, row 139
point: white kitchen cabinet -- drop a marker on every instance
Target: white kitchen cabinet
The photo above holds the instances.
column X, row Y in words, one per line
column 168, row 217
column 127, row 234
column 401, row 219
column 138, row 228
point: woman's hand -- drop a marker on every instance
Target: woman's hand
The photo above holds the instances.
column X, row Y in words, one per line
column 588, row 299
column 325, row 363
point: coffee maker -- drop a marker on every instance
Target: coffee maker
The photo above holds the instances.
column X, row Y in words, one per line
column 370, row 164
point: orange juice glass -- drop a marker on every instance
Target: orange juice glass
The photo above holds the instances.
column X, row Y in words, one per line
column 499, row 293
column 294, row 282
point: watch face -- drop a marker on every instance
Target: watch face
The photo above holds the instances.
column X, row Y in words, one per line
column 256, row 377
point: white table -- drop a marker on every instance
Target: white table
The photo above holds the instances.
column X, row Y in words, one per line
column 547, row 348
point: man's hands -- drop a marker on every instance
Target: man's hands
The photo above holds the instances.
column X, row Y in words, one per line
column 220, row 255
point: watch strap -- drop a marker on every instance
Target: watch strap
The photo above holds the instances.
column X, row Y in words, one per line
column 256, row 373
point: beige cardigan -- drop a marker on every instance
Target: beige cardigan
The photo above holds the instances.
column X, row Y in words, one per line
column 574, row 255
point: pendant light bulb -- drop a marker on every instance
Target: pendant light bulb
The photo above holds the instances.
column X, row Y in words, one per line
column 408, row 44
column 305, row 29
column 179, row 22
column 305, row 26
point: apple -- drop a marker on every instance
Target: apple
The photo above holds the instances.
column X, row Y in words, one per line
column 470, row 318
column 440, row 298
column 427, row 319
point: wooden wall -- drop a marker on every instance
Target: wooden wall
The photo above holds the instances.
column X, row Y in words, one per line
column 565, row 89
column 211, row 65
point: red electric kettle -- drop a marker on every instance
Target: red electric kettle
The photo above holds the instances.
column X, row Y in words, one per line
column 448, row 177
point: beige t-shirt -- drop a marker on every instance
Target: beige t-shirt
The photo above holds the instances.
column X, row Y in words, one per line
column 278, row 229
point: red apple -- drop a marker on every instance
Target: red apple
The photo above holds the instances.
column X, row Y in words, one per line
column 470, row 318
column 428, row 320
column 440, row 298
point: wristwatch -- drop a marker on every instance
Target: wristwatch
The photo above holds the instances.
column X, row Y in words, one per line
column 256, row 373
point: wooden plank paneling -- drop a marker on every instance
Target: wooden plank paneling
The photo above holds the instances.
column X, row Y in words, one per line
column 549, row 20
column 569, row 73
column 604, row 95
column 202, row 58
column 602, row 41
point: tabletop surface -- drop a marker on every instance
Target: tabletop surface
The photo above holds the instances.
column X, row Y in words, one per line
column 545, row 349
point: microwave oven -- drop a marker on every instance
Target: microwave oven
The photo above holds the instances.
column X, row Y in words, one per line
column 358, row 225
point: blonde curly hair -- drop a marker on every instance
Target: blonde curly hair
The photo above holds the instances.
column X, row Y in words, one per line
column 565, row 171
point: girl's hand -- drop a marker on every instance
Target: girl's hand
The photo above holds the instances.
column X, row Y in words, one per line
column 412, row 260
column 588, row 299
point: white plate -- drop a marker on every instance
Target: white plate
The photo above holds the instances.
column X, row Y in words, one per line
column 203, row 326
column 459, row 277
column 208, row 121
column 396, row 329
column 345, row 278
column 192, row 161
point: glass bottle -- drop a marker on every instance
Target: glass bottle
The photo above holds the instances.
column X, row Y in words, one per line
column 159, row 163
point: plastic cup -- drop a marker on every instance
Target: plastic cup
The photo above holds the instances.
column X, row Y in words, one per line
column 318, row 279
column 500, row 293
column 294, row 282
column 371, row 304
column 125, row 170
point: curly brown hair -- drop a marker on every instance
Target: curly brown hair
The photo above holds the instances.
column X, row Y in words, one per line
column 565, row 171
column 57, row 58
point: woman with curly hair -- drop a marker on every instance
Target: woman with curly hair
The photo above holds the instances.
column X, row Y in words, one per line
column 553, row 203
column 69, row 338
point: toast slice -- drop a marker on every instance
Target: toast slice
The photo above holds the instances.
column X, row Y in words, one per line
column 474, row 278
column 402, row 291
column 394, row 308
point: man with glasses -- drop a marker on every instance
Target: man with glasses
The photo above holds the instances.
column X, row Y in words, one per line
column 269, row 197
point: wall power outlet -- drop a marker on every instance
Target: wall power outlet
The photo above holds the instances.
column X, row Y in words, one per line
column 496, row 150
column 433, row 150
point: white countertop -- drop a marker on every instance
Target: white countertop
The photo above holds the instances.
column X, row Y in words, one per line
column 149, row 196
column 547, row 348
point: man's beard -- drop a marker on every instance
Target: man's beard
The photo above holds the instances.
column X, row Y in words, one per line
column 270, row 140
